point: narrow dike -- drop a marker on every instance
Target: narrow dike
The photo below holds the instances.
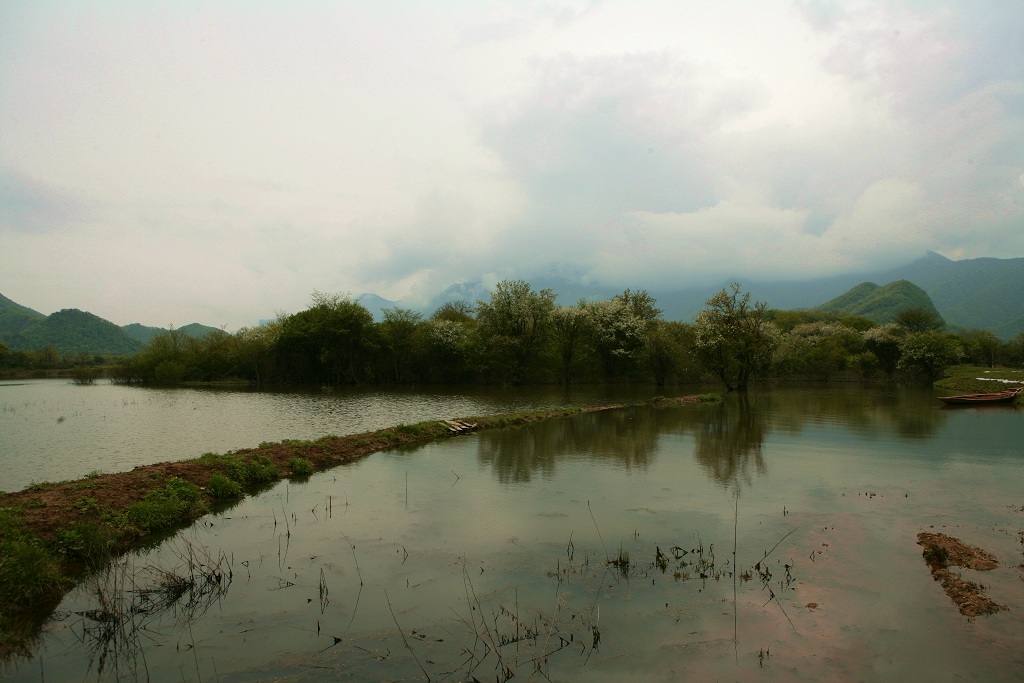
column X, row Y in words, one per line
column 53, row 534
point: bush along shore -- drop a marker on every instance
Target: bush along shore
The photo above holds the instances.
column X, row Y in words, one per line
column 53, row 534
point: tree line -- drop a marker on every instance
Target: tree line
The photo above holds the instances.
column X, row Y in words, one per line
column 523, row 336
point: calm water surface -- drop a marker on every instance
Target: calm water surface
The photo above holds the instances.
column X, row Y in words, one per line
column 52, row 430
column 772, row 538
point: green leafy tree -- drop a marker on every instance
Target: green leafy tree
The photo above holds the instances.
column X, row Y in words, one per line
column 514, row 326
column 982, row 347
column 734, row 338
column 456, row 311
column 161, row 361
column 446, row 349
column 210, row 357
column 919, row 319
column 329, row 343
column 819, row 350
column 399, row 332
column 570, row 327
column 668, row 352
column 254, row 350
column 1017, row 350
column 642, row 305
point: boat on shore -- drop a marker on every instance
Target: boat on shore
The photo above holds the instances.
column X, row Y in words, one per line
column 1004, row 396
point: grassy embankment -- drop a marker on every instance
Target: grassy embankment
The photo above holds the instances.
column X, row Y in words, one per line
column 967, row 379
column 53, row 534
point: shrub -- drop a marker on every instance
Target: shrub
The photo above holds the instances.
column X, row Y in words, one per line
column 260, row 470
column 85, row 542
column 176, row 502
column 84, row 376
column 252, row 472
column 222, row 488
column 300, row 467
column 28, row 571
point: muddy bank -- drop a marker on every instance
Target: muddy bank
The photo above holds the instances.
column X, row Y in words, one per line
column 941, row 552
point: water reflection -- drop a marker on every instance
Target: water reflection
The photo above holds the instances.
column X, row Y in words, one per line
column 625, row 437
column 132, row 602
column 369, row 573
column 113, row 428
column 730, row 439
column 728, row 436
column 911, row 412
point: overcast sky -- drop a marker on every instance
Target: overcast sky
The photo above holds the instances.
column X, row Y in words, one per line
column 173, row 161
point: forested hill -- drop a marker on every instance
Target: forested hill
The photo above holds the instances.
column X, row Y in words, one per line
column 14, row 318
column 881, row 303
column 144, row 333
column 73, row 331
column 981, row 293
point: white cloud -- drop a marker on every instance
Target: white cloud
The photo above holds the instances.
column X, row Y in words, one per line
column 229, row 159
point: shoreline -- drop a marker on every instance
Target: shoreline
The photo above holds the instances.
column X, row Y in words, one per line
column 53, row 534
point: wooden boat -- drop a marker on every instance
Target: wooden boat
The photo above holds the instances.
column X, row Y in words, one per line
column 1004, row 396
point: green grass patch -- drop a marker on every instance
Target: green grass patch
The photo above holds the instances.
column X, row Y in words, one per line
column 255, row 471
column 973, row 379
column 92, row 543
column 28, row 570
column 221, row 487
column 300, row 467
column 250, row 472
column 179, row 501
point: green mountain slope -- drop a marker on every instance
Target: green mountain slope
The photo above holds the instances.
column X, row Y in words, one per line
column 14, row 318
column 144, row 333
column 984, row 293
column 981, row 293
column 73, row 331
column 880, row 303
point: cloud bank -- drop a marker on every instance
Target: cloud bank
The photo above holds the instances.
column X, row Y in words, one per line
column 172, row 162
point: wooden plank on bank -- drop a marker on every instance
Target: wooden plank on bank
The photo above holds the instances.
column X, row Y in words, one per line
column 458, row 426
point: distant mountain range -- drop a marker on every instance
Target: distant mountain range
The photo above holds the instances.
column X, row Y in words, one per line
column 144, row 333
column 73, row 331
column 983, row 293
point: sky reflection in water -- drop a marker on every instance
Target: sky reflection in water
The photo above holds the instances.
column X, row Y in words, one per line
column 489, row 555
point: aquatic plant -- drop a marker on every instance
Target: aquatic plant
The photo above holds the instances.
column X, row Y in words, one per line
column 129, row 601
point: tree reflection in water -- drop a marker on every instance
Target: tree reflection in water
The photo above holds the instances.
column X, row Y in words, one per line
column 627, row 435
column 729, row 435
column 729, row 441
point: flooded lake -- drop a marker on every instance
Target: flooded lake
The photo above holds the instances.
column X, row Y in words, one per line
column 772, row 537
column 52, row 430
